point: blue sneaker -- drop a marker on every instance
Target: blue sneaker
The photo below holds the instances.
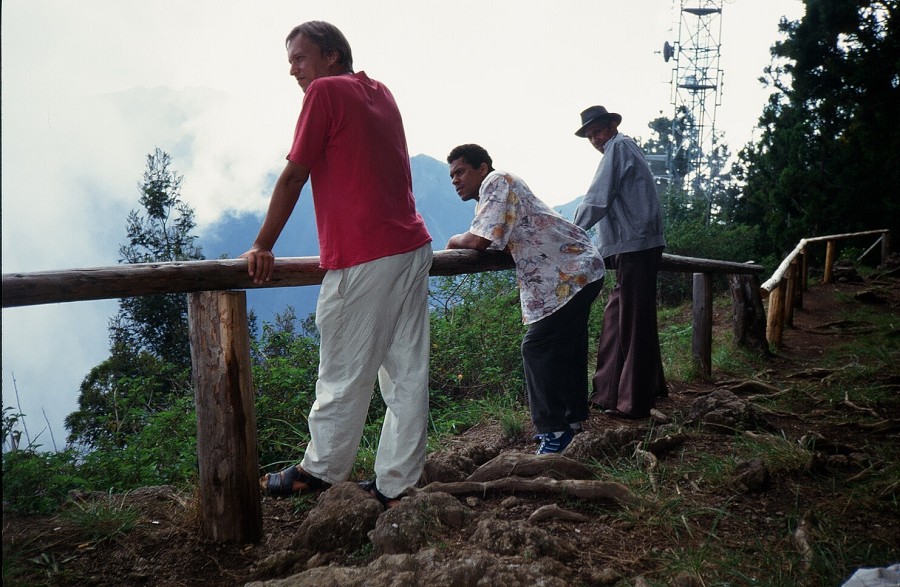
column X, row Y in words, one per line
column 554, row 442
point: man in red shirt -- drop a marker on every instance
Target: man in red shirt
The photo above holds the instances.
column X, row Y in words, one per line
column 372, row 311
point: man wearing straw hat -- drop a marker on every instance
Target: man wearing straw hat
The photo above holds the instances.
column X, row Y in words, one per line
column 623, row 203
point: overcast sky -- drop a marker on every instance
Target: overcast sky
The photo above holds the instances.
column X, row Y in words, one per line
column 90, row 87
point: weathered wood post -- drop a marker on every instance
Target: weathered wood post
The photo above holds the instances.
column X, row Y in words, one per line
column 885, row 246
column 749, row 313
column 790, row 293
column 804, row 270
column 230, row 503
column 701, row 339
column 775, row 316
column 830, row 252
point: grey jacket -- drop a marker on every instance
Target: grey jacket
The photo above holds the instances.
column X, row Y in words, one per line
column 623, row 200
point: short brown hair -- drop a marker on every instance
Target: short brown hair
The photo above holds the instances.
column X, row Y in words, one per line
column 327, row 38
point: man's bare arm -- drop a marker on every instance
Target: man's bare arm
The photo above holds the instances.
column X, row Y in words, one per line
column 260, row 260
column 467, row 240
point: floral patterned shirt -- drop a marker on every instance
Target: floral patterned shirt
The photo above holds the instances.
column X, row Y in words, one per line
column 554, row 258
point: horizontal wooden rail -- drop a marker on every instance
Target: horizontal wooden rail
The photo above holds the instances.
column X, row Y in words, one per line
column 138, row 279
column 782, row 269
column 784, row 289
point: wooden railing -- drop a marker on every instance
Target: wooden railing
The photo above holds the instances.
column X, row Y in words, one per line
column 229, row 498
column 786, row 286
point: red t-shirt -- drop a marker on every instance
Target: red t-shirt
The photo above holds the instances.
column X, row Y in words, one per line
column 350, row 135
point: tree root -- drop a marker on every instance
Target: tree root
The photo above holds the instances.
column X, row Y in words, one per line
column 661, row 446
column 802, row 541
column 587, row 490
column 523, row 465
column 853, row 406
column 648, row 459
column 554, row 512
column 756, row 387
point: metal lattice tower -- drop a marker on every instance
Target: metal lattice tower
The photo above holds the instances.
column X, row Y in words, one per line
column 696, row 90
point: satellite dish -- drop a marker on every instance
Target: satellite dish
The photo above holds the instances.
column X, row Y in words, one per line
column 668, row 51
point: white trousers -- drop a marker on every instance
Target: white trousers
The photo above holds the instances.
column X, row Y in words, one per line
column 373, row 322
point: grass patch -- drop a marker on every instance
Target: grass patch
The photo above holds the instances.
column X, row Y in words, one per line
column 778, row 452
column 675, row 346
column 102, row 520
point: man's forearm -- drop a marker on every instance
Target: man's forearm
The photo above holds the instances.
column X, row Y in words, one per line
column 284, row 197
column 467, row 240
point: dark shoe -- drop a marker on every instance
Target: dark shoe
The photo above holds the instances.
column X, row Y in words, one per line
column 385, row 501
column 282, row 483
column 554, row 442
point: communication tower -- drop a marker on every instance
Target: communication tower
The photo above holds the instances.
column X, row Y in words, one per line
column 696, row 93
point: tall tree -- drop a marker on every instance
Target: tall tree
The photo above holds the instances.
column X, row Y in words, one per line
column 157, row 324
column 711, row 199
column 149, row 366
column 824, row 162
column 669, row 137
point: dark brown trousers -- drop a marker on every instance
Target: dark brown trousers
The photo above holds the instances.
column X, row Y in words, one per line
column 629, row 373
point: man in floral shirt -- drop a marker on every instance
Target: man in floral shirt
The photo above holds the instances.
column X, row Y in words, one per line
column 559, row 274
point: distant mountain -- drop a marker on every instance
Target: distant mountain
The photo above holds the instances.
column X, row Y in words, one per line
column 436, row 201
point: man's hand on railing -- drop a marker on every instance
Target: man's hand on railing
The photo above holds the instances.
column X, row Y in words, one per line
column 260, row 264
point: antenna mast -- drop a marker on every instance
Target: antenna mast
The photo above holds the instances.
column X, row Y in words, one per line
column 696, row 93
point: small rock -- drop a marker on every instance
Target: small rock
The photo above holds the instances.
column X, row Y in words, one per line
column 724, row 411
column 518, row 538
column 554, row 512
column 416, row 520
column 752, row 476
column 659, row 417
column 447, row 467
column 684, row 579
column 340, row 521
column 511, row 502
column 605, row 576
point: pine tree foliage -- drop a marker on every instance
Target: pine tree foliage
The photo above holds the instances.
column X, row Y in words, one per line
column 161, row 232
column 824, row 163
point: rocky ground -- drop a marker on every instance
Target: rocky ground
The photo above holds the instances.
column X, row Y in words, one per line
column 776, row 479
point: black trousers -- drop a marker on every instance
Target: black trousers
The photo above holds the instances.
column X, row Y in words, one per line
column 555, row 358
column 629, row 374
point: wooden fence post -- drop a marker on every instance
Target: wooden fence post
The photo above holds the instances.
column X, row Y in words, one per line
column 230, row 504
column 749, row 314
column 775, row 317
column 830, row 251
column 701, row 340
column 885, row 247
column 790, row 293
column 804, row 271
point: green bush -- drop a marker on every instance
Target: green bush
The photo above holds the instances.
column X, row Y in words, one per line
column 695, row 238
column 38, row 482
column 164, row 452
column 476, row 334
